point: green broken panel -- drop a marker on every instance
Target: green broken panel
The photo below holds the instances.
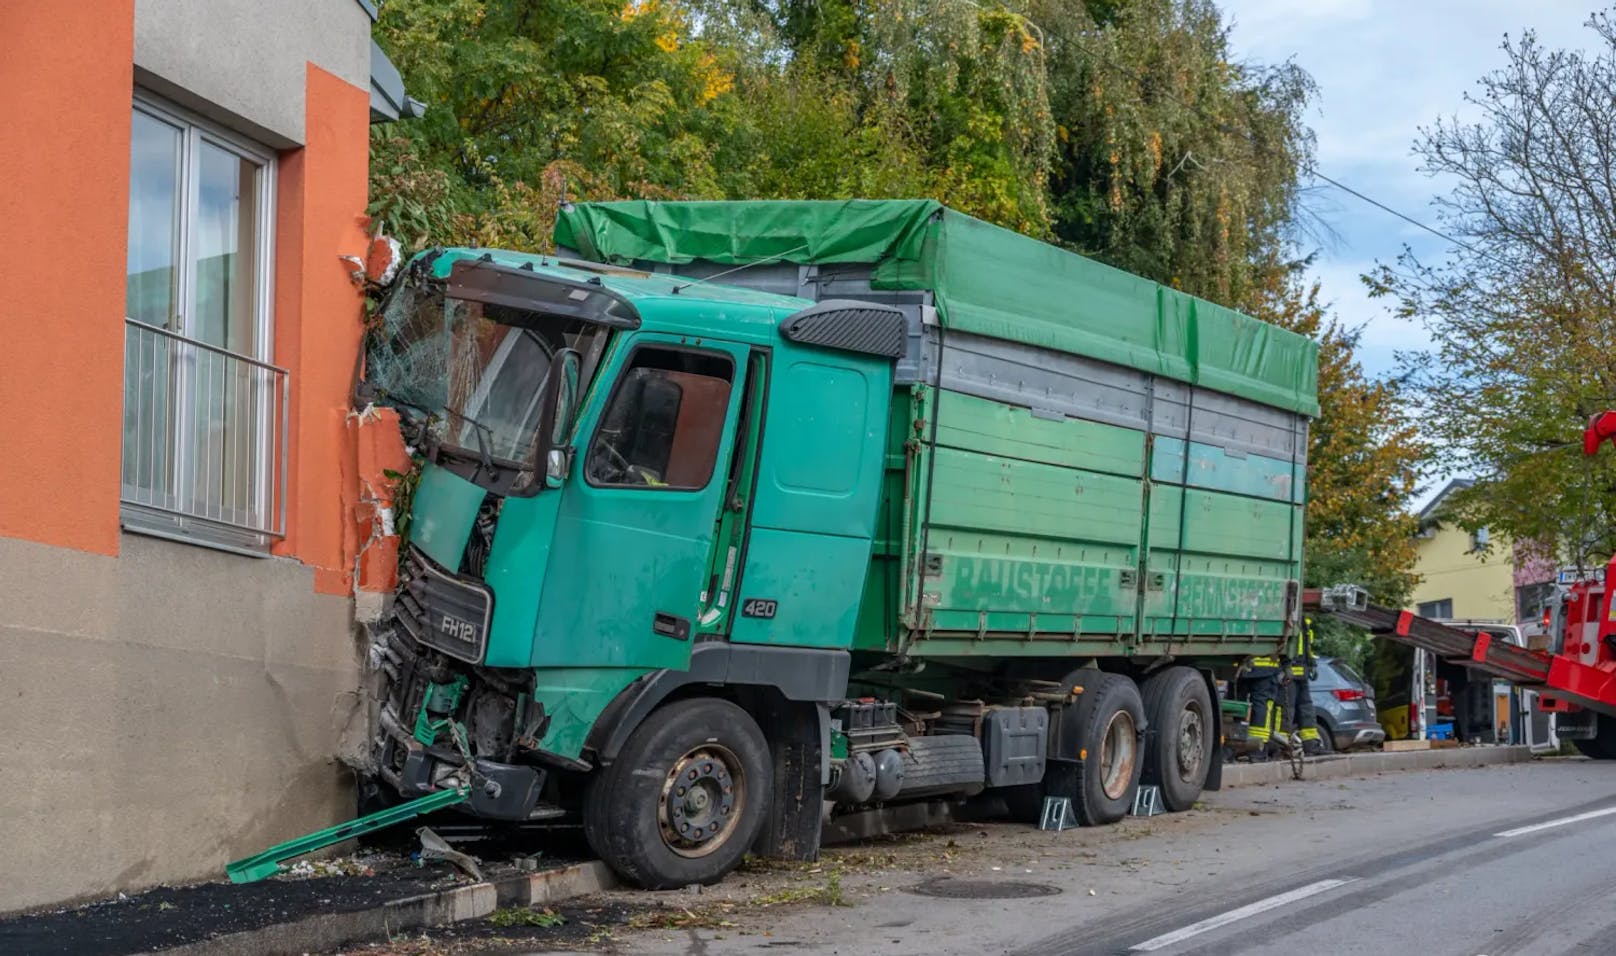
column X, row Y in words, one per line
column 268, row 863
column 438, row 699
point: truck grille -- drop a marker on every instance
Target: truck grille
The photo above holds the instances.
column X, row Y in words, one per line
column 443, row 610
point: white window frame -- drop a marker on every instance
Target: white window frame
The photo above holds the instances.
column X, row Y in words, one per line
column 175, row 523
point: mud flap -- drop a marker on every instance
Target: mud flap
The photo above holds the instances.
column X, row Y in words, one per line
column 792, row 828
column 1214, row 772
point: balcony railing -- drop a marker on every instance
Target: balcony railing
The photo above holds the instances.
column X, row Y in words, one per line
column 204, row 440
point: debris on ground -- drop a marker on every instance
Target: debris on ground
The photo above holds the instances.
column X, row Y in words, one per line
column 583, row 925
column 526, row 916
column 434, row 847
column 357, row 865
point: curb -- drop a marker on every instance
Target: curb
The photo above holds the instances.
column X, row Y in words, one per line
column 1359, row 764
column 332, row 930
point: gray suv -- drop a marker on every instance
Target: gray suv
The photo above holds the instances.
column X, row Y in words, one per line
column 1345, row 704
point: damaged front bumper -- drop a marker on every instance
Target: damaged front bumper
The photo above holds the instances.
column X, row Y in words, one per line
column 420, row 736
column 499, row 791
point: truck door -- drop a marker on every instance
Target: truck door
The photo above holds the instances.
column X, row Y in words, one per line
column 818, row 481
column 636, row 527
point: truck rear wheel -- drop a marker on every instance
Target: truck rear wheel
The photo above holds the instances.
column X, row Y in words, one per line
column 1109, row 718
column 1602, row 745
column 685, row 798
column 1178, row 750
column 1592, row 749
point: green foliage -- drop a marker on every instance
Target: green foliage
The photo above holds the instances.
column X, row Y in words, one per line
column 1174, row 161
column 404, row 484
column 526, row 916
column 1117, row 126
column 1350, row 644
column 530, row 102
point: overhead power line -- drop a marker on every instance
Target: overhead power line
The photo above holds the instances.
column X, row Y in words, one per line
column 1405, row 217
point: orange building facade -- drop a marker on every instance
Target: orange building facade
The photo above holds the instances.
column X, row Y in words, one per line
column 188, row 505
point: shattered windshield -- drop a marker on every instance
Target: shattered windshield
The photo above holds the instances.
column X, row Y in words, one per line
column 476, row 370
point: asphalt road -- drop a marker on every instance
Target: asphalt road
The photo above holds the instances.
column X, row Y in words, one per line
column 1483, row 862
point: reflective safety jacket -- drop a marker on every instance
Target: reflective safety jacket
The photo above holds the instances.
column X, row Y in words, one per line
column 1264, row 666
column 1303, row 662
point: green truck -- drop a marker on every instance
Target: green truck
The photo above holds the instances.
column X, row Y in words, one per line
column 733, row 515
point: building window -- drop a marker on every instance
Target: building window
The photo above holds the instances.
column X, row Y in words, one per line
column 1438, row 610
column 204, row 416
column 1531, row 600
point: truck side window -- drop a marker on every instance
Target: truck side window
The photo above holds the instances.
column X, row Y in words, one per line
column 665, row 421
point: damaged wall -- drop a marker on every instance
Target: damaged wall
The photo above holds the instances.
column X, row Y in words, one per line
column 171, row 706
column 169, row 710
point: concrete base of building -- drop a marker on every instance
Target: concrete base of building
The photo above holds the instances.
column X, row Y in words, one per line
column 165, row 711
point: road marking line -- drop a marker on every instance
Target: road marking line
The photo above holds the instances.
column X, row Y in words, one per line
column 1235, row 915
column 1551, row 824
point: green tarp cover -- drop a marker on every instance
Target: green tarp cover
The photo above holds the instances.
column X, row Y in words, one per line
column 985, row 280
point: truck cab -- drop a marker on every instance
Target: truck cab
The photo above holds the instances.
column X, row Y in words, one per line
column 694, row 436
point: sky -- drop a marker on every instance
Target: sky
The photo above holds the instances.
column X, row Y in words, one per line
column 1385, row 68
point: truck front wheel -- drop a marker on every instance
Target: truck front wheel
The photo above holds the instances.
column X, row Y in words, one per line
column 685, row 798
column 1182, row 734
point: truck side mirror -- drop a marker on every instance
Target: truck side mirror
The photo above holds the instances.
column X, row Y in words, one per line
column 559, row 403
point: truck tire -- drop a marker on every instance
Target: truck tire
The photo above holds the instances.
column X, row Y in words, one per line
column 1602, row 746
column 686, row 797
column 1592, row 749
column 1178, row 749
column 1109, row 720
column 1326, row 736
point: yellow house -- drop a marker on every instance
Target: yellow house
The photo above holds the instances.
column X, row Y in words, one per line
column 1461, row 577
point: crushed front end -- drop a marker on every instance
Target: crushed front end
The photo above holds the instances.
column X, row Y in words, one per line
column 444, row 724
column 485, row 362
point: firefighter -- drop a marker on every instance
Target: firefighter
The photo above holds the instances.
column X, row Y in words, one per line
column 1259, row 684
column 1302, row 668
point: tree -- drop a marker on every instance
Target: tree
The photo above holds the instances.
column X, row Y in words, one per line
column 1522, row 312
column 532, row 100
column 967, row 81
column 1364, row 456
column 1120, row 128
column 530, row 103
column 1173, row 161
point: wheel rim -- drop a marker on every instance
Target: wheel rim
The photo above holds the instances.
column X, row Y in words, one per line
column 1118, row 752
column 1191, row 742
column 702, row 797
